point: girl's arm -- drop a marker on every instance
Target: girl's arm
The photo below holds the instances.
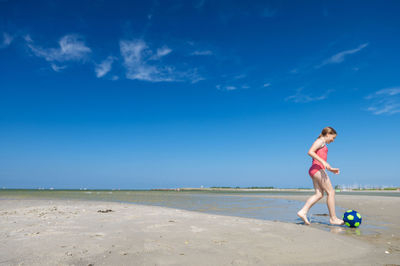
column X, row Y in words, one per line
column 316, row 145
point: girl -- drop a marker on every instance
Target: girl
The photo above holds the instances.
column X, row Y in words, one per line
column 322, row 183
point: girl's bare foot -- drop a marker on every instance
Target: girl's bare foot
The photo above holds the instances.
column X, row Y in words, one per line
column 303, row 216
column 336, row 221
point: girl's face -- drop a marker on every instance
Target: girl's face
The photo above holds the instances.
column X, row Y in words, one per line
column 330, row 138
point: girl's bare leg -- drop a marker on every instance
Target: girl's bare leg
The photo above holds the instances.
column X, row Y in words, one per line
column 325, row 184
column 311, row 201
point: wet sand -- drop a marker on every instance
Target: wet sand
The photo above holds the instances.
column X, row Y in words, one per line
column 73, row 232
column 379, row 212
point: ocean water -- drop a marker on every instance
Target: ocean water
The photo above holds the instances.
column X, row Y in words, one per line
column 241, row 204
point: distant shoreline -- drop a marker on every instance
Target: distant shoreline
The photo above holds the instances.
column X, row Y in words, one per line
column 219, row 189
column 272, row 189
column 233, row 189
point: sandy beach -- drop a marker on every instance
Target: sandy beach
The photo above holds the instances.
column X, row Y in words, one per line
column 73, row 232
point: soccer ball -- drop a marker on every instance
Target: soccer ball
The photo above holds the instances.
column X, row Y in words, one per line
column 352, row 218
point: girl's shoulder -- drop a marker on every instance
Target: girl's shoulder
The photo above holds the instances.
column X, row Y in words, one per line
column 321, row 142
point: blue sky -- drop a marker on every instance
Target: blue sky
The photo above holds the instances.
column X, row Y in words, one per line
column 147, row 94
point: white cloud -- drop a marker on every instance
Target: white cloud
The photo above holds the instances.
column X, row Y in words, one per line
column 104, row 67
column 57, row 68
column 385, row 101
column 71, row 48
column 389, row 91
column 204, row 52
column 141, row 64
column 134, row 54
column 161, row 52
column 300, row 97
column 28, row 38
column 384, row 93
column 192, row 76
column 339, row 57
column 266, row 85
column 7, row 40
column 385, row 108
column 226, row 88
column 139, row 60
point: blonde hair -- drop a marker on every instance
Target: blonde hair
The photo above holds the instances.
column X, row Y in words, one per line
column 326, row 131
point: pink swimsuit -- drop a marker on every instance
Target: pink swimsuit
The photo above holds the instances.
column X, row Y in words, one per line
column 316, row 165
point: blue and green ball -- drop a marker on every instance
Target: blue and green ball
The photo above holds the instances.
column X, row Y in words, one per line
column 352, row 218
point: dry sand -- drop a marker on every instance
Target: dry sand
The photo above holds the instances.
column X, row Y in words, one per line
column 60, row 232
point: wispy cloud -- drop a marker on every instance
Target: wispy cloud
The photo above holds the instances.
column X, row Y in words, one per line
column 142, row 63
column 139, row 60
column 104, row 67
column 300, row 97
column 135, row 54
column 389, row 91
column 339, row 57
column 226, row 88
column 265, row 85
column 204, row 52
column 57, row 68
column 192, row 75
column 7, row 40
column 385, row 101
column 71, row 48
column 163, row 51
column 240, row 76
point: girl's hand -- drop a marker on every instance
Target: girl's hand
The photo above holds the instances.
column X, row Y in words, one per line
column 327, row 166
column 334, row 170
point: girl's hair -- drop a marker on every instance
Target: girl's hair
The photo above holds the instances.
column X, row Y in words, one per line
column 326, row 131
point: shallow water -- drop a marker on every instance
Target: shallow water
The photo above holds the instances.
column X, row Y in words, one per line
column 240, row 204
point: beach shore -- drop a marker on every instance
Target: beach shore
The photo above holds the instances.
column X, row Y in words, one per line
column 379, row 212
column 73, row 232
